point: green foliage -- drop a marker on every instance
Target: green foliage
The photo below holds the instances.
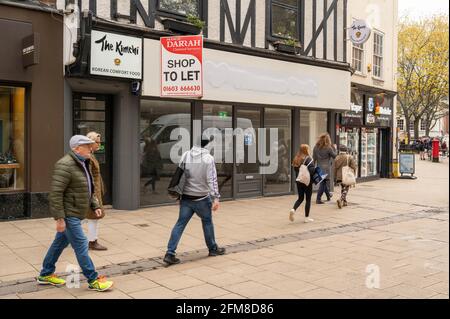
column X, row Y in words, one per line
column 192, row 19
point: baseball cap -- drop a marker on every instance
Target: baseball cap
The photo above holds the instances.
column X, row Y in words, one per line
column 78, row 140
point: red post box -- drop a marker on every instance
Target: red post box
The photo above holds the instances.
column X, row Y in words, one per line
column 435, row 150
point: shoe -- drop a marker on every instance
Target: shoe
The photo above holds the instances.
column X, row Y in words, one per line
column 308, row 220
column 329, row 198
column 171, row 259
column 345, row 203
column 339, row 203
column 94, row 245
column 291, row 215
column 217, row 252
column 319, row 202
column 100, row 284
column 51, row 280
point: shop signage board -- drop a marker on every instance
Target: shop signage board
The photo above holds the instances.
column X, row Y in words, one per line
column 378, row 111
column 354, row 116
column 116, row 55
column 182, row 66
column 407, row 164
column 359, row 32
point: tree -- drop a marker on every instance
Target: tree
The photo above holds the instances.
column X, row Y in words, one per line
column 422, row 70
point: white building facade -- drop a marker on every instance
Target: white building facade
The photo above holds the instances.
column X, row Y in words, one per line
column 248, row 82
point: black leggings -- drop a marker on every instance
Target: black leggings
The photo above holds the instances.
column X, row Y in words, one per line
column 302, row 191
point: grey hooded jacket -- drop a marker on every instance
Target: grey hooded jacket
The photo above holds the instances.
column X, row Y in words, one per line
column 200, row 173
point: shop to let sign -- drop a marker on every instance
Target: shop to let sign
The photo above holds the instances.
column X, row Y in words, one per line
column 182, row 66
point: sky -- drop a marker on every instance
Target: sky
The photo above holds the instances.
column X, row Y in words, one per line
column 421, row 8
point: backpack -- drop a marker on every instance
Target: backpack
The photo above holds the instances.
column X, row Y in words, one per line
column 176, row 185
column 348, row 175
column 304, row 176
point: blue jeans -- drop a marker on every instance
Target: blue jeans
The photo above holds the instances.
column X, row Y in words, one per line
column 187, row 209
column 323, row 188
column 74, row 236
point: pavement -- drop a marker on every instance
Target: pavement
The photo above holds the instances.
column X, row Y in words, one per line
column 392, row 241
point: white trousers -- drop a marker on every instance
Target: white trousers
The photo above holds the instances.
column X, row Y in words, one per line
column 92, row 229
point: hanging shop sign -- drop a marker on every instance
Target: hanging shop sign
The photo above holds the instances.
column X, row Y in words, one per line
column 182, row 66
column 30, row 50
column 116, row 55
column 354, row 116
column 359, row 32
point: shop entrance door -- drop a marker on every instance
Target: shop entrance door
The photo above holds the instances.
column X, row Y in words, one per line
column 93, row 112
column 248, row 181
column 385, row 152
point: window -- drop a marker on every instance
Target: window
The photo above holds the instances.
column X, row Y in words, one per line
column 284, row 16
column 220, row 118
column 378, row 55
column 423, row 125
column 180, row 7
column 280, row 119
column 358, row 57
column 312, row 125
column 12, row 138
column 411, row 126
column 401, row 124
column 159, row 119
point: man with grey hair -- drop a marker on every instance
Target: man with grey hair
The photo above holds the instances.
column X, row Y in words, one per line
column 71, row 197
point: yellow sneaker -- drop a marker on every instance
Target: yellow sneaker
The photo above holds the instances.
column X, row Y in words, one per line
column 101, row 284
column 51, row 280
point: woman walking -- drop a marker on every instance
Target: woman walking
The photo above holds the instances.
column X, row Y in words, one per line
column 323, row 153
column 99, row 191
column 343, row 159
column 303, row 157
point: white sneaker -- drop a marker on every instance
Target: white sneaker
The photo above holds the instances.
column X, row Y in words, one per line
column 308, row 220
column 291, row 215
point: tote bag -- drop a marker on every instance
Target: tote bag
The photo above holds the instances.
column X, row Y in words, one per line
column 348, row 175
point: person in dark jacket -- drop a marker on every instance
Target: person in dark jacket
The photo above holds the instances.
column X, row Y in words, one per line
column 152, row 163
column 72, row 195
column 323, row 153
column 303, row 157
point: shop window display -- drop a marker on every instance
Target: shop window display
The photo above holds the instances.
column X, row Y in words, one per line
column 12, row 138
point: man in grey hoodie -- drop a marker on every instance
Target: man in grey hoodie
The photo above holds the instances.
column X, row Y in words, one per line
column 200, row 196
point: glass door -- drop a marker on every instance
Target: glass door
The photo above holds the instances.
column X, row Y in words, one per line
column 248, row 182
column 369, row 152
column 350, row 138
column 92, row 113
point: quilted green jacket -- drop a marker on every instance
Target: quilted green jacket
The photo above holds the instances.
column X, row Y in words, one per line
column 69, row 195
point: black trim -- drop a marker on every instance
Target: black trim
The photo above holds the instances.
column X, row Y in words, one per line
column 345, row 31
column 335, row 35
column 317, row 32
column 238, row 34
column 93, row 6
column 325, row 29
column 302, row 25
column 314, row 38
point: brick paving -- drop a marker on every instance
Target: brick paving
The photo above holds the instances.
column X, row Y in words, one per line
column 398, row 227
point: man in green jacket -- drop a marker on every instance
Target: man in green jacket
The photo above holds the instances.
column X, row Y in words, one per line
column 71, row 197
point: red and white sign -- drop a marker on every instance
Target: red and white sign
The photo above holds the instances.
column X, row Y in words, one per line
column 182, row 66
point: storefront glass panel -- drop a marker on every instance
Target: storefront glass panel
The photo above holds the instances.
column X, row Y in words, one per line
column 280, row 119
column 369, row 152
column 157, row 122
column 350, row 138
column 218, row 123
column 312, row 125
column 12, row 138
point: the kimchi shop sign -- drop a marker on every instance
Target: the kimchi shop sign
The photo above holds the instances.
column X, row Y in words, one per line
column 182, row 66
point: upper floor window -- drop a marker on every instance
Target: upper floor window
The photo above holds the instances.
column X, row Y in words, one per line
column 180, row 7
column 411, row 126
column 401, row 124
column 378, row 39
column 284, row 18
column 423, row 125
column 358, row 57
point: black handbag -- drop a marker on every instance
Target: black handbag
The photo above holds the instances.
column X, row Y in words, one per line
column 176, row 184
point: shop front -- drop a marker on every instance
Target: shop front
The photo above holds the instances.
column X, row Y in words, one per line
column 241, row 92
column 31, row 99
column 366, row 130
